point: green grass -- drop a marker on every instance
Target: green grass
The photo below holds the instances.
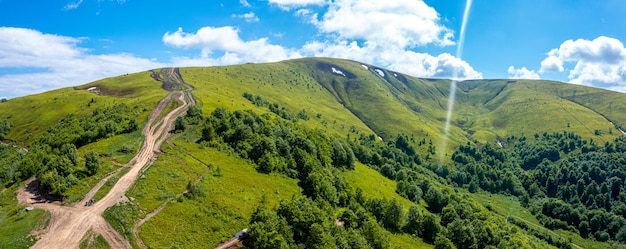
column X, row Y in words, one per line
column 34, row 114
column 230, row 200
column 375, row 185
column 509, row 206
column 527, row 107
column 104, row 190
column 407, row 241
column 93, row 241
column 17, row 224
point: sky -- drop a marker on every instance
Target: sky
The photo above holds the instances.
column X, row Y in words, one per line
column 51, row 44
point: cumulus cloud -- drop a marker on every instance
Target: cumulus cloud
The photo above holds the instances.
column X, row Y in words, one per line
column 249, row 17
column 522, row 73
column 551, row 64
column 406, row 61
column 600, row 62
column 50, row 61
column 405, row 23
column 384, row 33
column 233, row 49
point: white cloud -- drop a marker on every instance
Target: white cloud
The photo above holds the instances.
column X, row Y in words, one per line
column 51, row 61
column 226, row 40
column 73, row 5
column 551, row 64
column 249, row 17
column 410, row 62
column 522, row 73
column 76, row 3
column 401, row 23
column 600, row 62
column 288, row 4
column 245, row 3
column 384, row 33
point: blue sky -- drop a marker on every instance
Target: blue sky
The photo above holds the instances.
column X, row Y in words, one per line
column 49, row 44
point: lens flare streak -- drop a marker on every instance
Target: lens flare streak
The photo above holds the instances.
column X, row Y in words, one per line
column 455, row 76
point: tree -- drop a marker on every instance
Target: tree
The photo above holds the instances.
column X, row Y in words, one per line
column 394, row 216
column 180, row 124
column 435, row 199
column 319, row 238
column 375, row 235
column 5, row 127
column 413, row 221
column 461, row 234
column 443, row 243
column 430, row 228
column 92, row 162
column 268, row 230
column 349, row 219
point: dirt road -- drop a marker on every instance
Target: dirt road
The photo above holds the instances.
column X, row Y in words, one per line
column 69, row 223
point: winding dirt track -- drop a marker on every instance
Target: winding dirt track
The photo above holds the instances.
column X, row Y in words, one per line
column 70, row 223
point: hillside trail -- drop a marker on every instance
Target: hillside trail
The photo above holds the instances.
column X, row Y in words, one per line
column 70, row 223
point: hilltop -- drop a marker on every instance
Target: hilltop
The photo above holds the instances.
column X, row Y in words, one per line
column 263, row 145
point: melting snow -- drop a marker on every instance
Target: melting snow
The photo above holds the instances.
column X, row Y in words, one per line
column 364, row 66
column 93, row 88
column 339, row 72
column 380, row 72
column 395, row 74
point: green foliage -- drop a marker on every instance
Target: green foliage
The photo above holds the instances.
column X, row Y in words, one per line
column 5, row 127
column 194, row 191
column 268, row 230
column 54, row 159
column 442, row 242
column 394, row 216
column 92, row 162
column 413, row 221
column 122, row 217
column 102, row 123
column 180, row 124
column 435, row 199
column 572, row 184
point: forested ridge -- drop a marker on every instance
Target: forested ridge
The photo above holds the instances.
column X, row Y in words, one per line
column 334, row 214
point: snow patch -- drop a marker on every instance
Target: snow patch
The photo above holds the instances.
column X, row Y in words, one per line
column 364, row 66
column 380, row 72
column 395, row 75
column 337, row 71
column 93, row 88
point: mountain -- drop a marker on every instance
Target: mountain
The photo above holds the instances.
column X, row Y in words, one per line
column 266, row 144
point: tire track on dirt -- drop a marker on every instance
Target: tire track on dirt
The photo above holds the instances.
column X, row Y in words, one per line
column 70, row 223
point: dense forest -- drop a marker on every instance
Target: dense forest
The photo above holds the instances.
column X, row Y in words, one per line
column 54, row 158
column 332, row 213
column 567, row 182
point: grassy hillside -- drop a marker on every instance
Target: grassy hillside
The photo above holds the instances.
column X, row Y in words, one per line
column 34, row 114
column 336, row 98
